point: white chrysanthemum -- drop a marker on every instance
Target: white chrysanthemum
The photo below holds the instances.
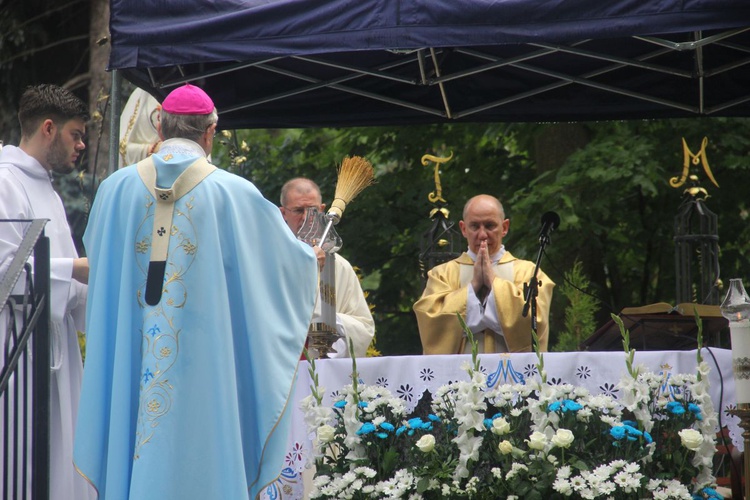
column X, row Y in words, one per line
column 577, row 483
column 584, row 414
column 562, row 486
column 606, row 488
column 515, row 469
column 564, row 472
column 603, row 471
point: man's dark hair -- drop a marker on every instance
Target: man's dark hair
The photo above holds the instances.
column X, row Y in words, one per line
column 40, row 102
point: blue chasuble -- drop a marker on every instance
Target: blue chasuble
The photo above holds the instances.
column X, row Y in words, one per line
column 190, row 398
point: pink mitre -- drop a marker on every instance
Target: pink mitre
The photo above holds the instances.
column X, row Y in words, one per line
column 188, row 100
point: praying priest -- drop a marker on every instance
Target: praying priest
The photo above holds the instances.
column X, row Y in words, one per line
column 486, row 286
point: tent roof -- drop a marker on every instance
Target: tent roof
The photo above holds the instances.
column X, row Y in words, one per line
column 298, row 63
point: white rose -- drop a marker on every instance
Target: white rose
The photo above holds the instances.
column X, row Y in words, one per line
column 505, row 447
column 326, row 434
column 426, row 443
column 563, row 438
column 500, row 426
column 537, row 440
column 691, row 439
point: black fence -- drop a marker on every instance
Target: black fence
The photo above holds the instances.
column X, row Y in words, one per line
column 25, row 385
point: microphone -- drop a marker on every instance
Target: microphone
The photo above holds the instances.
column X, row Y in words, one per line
column 550, row 221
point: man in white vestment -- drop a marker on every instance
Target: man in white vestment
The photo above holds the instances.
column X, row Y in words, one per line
column 353, row 318
column 53, row 126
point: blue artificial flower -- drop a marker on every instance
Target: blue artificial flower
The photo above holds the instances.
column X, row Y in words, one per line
column 435, row 418
column 387, row 426
column 554, row 406
column 366, row 428
column 631, row 423
column 340, row 404
column 382, row 435
column 363, row 404
column 696, row 410
column 570, row 405
column 427, row 426
column 617, row 432
column 647, row 437
column 487, row 423
column 632, row 431
column 708, row 493
column 675, row 408
column 400, row 430
column 712, row 493
column 497, row 415
column 414, row 423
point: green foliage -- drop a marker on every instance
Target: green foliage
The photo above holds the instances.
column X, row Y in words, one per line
column 612, row 194
column 579, row 315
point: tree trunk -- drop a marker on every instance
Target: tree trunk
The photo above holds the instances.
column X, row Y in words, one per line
column 99, row 88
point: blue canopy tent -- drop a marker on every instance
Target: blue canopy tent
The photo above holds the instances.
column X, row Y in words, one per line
column 305, row 63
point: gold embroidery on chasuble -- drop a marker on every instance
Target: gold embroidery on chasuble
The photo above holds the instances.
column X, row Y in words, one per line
column 160, row 335
column 167, row 236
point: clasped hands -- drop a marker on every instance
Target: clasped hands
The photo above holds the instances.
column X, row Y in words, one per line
column 484, row 274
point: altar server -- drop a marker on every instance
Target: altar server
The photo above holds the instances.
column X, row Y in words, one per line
column 53, row 127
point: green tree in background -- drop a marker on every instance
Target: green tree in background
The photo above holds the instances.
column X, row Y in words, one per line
column 612, row 192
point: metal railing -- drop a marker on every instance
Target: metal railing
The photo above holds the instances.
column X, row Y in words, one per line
column 25, row 386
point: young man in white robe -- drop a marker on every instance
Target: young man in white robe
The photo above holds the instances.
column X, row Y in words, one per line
column 53, row 126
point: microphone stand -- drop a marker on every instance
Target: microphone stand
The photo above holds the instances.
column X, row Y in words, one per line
column 531, row 289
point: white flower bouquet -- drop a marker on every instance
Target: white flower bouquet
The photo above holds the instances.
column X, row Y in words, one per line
column 528, row 441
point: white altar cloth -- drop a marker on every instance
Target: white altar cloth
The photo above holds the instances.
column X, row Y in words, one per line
column 409, row 376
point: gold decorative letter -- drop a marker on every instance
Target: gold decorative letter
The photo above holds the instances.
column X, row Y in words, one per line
column 689, row 158
column 436, row 195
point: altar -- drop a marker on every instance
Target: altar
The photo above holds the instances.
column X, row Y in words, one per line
column 409, row 377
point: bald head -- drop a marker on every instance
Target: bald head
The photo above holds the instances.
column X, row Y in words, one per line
column 484, row 199
column 300, row 185
column 484, row 220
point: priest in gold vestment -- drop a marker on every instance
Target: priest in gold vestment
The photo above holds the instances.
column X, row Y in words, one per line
column 485, row 285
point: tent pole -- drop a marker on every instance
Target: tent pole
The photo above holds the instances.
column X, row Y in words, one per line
column 114, row 122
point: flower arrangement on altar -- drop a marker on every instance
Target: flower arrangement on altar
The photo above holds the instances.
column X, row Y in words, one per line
column 529, row 440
